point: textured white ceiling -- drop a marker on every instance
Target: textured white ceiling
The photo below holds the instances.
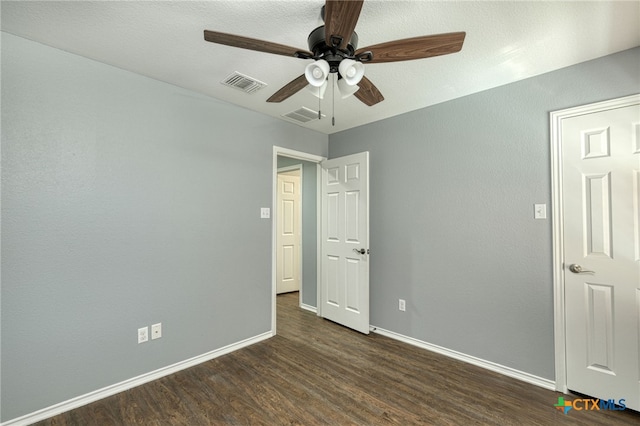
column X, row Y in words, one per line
column 506, row 41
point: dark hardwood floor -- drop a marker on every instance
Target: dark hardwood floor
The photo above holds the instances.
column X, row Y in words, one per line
column 315, row 372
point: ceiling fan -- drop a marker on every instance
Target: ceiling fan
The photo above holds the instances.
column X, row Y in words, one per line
column 334, row 49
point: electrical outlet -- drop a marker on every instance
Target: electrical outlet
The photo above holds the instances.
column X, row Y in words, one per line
column 143, row 334
column 156, row 331
column 402, row 305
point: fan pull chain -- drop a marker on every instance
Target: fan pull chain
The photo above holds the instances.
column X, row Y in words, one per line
column 333, row 101
column 319, row 112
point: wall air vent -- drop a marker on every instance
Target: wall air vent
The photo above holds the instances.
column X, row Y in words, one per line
column 242, row 82
column 303, row 115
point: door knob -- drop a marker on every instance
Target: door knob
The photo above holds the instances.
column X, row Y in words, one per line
column 577, row 269
column 360, row 251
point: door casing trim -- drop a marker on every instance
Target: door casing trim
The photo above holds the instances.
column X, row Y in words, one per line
column 557, row 212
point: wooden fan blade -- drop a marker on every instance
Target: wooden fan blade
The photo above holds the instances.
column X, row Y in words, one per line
column 368, row 93
column 289, row 89
column 252, row 44
column 415, row 48
column 340, row 18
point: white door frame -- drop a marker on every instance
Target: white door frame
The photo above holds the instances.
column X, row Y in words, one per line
column 298, row 155
column 558, row 232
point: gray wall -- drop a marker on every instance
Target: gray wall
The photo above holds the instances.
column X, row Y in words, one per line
column 309, row 228
column 452, row 229
column 125, row 202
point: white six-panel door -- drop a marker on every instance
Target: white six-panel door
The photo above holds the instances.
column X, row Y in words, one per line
column 601, row 192
column 345, row 241
column 288, row 228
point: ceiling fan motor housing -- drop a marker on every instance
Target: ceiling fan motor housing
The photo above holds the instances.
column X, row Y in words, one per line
column 323, row 50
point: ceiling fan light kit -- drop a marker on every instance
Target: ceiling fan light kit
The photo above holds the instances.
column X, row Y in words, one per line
column 334, row 49
column 330, row 59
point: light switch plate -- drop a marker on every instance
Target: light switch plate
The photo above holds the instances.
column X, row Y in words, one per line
column 265, row 213
column 540, row 211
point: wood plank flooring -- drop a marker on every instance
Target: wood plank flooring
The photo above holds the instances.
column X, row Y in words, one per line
column 315, row 372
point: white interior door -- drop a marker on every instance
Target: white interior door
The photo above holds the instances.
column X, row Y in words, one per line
column 288, row 232
column 600, row 190
column 345, row 241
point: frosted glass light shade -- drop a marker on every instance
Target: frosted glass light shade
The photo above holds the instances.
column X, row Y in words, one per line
column 317, row 72
column 345, row 89
column 351, row 71
column 318, row 92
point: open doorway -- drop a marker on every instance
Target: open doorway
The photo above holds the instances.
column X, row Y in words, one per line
column 289, row 229
column 284, row 158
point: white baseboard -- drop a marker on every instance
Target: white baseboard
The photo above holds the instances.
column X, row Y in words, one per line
column 79, row 401
column 507, row 371
column 309, row 308
column 165, row 371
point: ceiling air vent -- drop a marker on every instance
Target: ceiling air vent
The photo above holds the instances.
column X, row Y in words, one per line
column 242, row 82
column 303, row 115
